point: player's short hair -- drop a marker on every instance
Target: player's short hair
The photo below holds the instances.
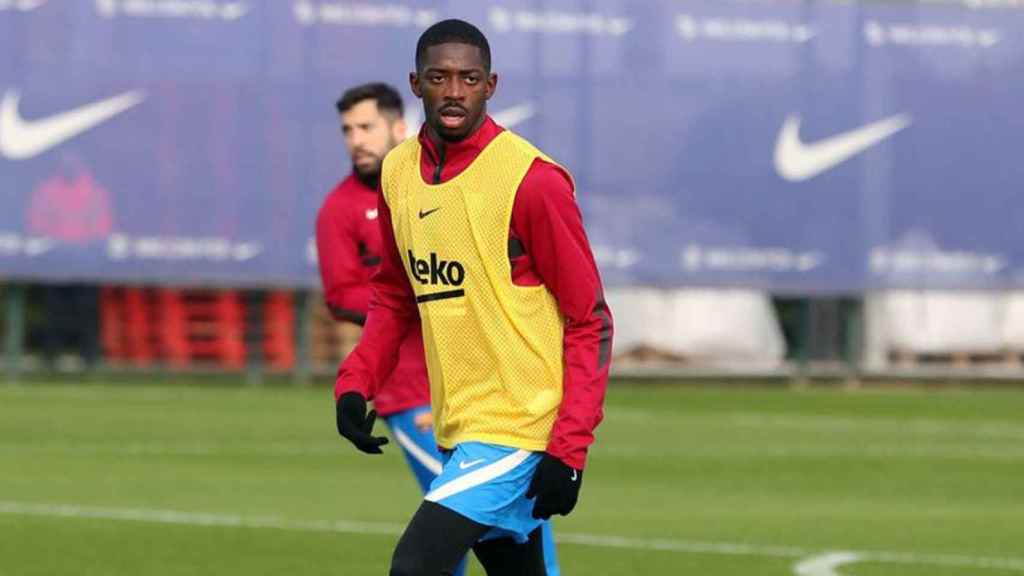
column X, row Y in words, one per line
column 453, row 30
column 384, row 95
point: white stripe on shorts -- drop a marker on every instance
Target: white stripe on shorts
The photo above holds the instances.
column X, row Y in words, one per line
column 478, row 477
column 418, row 453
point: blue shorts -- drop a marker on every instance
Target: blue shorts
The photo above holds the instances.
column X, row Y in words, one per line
column 487, row 483
column 427, row 463
column 417, row 445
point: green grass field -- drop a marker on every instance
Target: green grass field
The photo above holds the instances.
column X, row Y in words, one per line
column 177, row 479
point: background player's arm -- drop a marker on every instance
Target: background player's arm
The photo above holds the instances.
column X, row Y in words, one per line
column 392, row 311
column 341, row 265
column 549, row 224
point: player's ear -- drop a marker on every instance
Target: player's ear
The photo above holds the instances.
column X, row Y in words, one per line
column 398, row 129
column 414, row 84
column 491, row 86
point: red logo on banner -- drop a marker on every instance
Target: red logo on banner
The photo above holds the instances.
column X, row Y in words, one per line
column 74, row 209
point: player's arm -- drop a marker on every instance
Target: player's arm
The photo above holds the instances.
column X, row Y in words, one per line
column 548, row 223
column 392, row 311
column 341, row 264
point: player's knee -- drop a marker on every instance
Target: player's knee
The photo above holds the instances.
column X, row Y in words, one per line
column 506, row 557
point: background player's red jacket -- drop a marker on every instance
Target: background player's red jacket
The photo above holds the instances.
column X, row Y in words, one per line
column 349, row 247
column 547, row 245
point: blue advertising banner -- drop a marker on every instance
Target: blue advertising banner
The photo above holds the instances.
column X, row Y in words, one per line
column 792, row 146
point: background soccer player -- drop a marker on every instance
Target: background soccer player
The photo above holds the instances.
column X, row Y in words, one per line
column 483, row 241
column 349, row 248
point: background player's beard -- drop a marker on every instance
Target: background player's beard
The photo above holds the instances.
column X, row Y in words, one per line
column 370, row 178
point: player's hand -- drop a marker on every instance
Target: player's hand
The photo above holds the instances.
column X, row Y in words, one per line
column 556, row 486
column 356, row 425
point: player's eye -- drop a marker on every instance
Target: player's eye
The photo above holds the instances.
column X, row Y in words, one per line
column 435, row 78
column 472, row 80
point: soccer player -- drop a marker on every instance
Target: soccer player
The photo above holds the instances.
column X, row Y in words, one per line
column 349, row 247
column 484, row 243
column 348, row 252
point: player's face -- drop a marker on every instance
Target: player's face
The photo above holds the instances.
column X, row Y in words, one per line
column 370, row 135
column 455, row 87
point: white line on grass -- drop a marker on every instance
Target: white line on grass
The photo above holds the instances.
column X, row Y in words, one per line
column 197, row 518
column 595, row 540
column 732, row 549
column 824, row 564
column 863, row 449
column 928, row 427
column 172, row 448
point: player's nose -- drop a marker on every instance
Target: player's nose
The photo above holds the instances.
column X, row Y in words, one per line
column 454, row 91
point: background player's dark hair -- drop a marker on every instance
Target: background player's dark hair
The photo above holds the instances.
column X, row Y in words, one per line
column 454, row 30
column 384, row 95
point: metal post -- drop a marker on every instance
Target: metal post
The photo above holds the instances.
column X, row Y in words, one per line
column 304, row 312
column 14, row 339
column 854, row 345
column 254, row 337
column 804, row 337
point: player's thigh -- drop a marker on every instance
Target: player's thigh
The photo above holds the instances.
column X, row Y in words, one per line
column 434, row 542
column 506, row 557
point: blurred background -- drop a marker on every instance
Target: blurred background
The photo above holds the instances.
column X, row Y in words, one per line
column 771, row 187
column 789, row 192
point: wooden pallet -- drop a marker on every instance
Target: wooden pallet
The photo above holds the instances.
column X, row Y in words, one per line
column 279, row 330
column 141, row 326
column 330, row 341
column 645, row 354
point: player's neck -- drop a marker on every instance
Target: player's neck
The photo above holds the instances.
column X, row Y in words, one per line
column 371, row 181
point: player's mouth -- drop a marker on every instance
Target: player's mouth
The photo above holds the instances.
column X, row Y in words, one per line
column 452, row 117
column 363, row 157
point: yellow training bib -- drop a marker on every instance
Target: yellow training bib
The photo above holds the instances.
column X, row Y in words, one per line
column 494, row 349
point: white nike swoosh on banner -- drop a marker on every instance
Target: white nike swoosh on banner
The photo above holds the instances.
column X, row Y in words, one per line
column 508, row 117
column 21, row 139
column 797, row 161
column 22, row 5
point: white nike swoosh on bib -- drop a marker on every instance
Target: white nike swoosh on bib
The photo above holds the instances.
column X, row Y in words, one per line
column 21, row 139
column 797, row 161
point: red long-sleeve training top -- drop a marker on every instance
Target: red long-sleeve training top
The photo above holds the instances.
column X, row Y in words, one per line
column 348, row 244
column 547, row 245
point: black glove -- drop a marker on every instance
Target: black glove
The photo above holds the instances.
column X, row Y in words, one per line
column 556, row 486
column 356, row 425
